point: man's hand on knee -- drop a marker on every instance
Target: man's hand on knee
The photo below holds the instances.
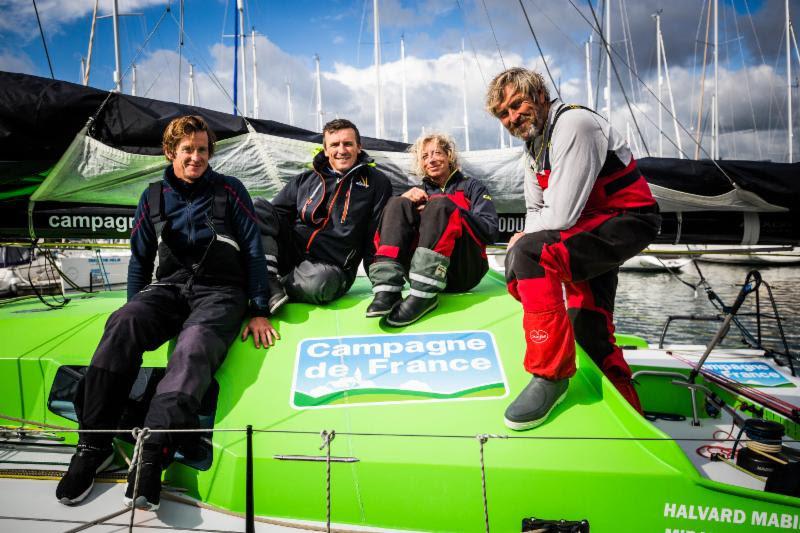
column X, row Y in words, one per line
column 264, row 333
column 514, row 238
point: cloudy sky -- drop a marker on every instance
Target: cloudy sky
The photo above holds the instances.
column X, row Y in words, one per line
column 752, row 62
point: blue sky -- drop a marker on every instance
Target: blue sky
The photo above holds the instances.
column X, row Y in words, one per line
column 341, row 33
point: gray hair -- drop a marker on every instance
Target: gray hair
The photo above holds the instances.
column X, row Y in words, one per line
column 528, row 82
column 445, row 142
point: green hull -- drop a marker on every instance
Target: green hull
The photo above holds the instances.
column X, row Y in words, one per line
column 419, row 462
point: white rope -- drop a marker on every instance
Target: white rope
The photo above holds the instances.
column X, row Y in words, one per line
column 140, row 435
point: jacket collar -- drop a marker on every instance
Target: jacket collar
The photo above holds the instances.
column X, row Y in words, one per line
column 184, row 188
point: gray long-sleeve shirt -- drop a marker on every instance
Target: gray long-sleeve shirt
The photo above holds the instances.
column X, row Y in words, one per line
column 579, row 145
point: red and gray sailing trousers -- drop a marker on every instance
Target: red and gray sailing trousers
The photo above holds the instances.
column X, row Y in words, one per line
column 585, row 259
column 435, row 246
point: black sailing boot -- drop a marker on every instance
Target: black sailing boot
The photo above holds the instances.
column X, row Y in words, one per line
column 277, row 294
column 383, row 302
column 410, row 310
column 87, row 462
column 148, row 491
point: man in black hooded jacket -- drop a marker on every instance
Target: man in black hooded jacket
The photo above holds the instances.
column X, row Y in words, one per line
column 321, row 225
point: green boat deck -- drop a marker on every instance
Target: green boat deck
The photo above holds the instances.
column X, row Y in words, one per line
column 418, row 456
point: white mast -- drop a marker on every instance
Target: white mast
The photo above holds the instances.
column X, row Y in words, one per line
column 502, row 135
column 240, row 8
column 588, row 50
column 660, row 79
column 83, row 69
column 715, row 99
column 133, row 81
column 319, row 96
column 85, row 78
column 788, row 81
column 405, row 106
column 464, row 94
column 290, row 111
column 256, row 108
column 115, row 23
column 671, row 97
column 191, row 85
column 377, row 56
column 180, row 49
column 608, row 60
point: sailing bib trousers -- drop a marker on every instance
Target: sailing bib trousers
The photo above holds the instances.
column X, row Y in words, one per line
column 206, row 320
column 586, row 260
column 436, row 246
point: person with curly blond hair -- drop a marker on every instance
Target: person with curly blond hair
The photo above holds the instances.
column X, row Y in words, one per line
column 435, row 234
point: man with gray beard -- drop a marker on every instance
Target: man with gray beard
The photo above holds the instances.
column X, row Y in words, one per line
column 588, row 209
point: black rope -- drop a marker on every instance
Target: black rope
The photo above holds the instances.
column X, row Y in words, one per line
column 536, row 40
column 44, row 42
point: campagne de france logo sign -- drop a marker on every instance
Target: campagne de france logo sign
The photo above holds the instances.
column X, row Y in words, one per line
column 369, row 369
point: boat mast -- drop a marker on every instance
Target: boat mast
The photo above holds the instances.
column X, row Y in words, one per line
column 256, row 109
column 376, row 32
column 502, row 135
column 133, row 80
column 608, row 60
column 115, row 23
column 235, row 63
column 85, row 79
column 405, row 106
column 788, row 82
column 319, row 96
column 240, row 9
column 657, row 16
column 464, row 96
column 180, row 49
column 715, row 100
column 699, row 132
column 191, row 84
column 588, row 52
column 671, row 97
column 290, row 111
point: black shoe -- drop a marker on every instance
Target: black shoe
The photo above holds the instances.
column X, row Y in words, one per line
column 148, row 495
column 383, row 302
column 277, row 294
column 410, row 310
column 534, row 404
column 87, row 462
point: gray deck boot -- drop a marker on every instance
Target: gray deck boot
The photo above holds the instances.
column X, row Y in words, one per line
column 534, row 404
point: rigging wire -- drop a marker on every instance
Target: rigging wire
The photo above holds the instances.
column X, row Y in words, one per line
column 138, row 53
column 471, row 43
column 607, row 45
column 600, row 63
column 494, row 36
column 536, row 40
column 694, row 57
column 649, row 90
column 44, row 42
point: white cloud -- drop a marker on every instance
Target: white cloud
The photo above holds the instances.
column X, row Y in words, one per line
column 416, row 386
column 14, row 61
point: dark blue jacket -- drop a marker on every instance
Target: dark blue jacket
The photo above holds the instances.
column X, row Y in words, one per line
column 188, row 211
column 334, row 217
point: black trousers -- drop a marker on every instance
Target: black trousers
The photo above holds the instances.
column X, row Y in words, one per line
column 205, row 319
